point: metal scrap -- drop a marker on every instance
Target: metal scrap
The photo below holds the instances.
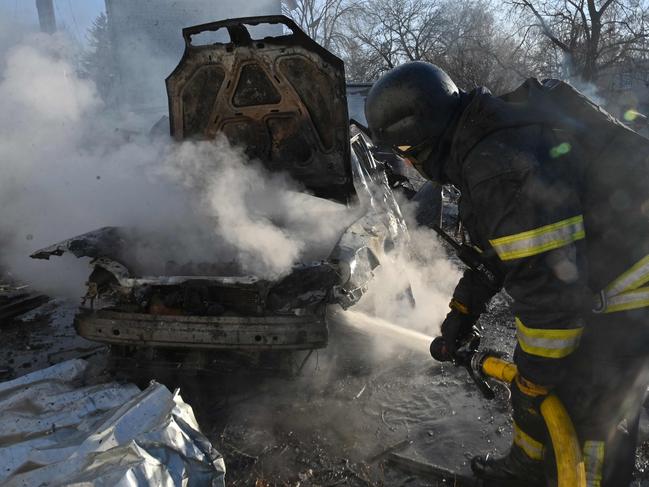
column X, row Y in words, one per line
column 17, row 301
column 54, row 432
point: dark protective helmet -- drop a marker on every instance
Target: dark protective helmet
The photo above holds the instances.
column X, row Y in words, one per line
column 410, row 107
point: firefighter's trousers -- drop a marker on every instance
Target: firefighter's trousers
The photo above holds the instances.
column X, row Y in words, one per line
column 604, row 390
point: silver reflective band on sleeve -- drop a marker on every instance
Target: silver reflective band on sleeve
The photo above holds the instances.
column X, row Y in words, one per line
column 637, row 298
column 593, row 462
column 554, row 343
column 531, row 447
column 635, row 277
column 625, row 293
column 539, row 240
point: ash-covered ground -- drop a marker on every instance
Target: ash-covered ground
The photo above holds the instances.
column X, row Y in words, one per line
column 337, row 421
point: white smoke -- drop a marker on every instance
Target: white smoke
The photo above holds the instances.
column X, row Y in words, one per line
column 263, row 215
column 68, row 169
column 419, row 272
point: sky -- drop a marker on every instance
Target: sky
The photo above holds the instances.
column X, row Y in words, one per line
column 73, row 15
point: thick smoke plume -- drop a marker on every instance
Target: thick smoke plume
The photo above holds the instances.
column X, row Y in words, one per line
column 69, row 167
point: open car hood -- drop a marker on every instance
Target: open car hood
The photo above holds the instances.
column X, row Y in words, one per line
column 280, row 98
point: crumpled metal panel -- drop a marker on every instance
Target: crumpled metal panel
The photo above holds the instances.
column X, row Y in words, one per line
column 370, row 238
column 103, row 242
column 55, row 433
column 282, row 99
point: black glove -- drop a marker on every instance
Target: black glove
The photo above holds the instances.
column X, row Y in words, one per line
column 457, row 327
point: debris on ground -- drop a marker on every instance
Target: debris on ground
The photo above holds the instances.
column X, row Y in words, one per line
column 55, row 430
column 17, row 300
column 46, row 336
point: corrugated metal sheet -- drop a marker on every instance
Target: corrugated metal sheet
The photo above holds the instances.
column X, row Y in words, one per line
column 54, row 432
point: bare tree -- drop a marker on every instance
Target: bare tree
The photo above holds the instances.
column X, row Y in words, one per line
column 476, row 52
column 464, row 38
column 592, row 36
column 474, row 43
column 320, row 19
column 396, row 31
column 96, row 62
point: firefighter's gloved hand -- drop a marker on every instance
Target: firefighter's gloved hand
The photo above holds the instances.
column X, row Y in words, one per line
column 457, row 326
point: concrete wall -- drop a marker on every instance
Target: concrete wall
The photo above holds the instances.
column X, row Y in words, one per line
column 148, row 41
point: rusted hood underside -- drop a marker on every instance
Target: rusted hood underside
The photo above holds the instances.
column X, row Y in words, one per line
column 282, row 99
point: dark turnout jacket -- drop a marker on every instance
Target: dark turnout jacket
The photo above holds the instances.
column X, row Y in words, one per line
column 555, row 192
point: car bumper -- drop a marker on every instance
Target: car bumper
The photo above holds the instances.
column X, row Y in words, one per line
column 203, row 332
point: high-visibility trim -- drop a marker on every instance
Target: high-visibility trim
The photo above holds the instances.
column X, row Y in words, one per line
column 529, row 388
column 539, row 240
column 593, row 462
column 553, row 343
column 625, row 293
column 635, row 277
column 531, row 447
column 462, row 308
column 638, row 298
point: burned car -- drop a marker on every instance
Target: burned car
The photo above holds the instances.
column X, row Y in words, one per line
column 282, row 99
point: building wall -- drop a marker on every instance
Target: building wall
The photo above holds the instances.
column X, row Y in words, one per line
column 148, row 41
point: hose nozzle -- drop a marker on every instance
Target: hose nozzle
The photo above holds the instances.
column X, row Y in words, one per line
column 439, row 351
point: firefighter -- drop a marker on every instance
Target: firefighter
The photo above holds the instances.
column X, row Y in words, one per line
column 555, row 195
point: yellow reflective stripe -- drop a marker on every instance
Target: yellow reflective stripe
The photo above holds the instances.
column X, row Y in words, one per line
column 593, row 462
column 539, row 240
column 553, row 343
column 638, row 298
column 462, row 308
column 531, row 447
column 635, row 277
column 625, row 293
column 530, row 388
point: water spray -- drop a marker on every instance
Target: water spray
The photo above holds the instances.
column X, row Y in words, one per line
column 411, row 339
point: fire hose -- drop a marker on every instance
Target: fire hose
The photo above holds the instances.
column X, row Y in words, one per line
column 489, row 364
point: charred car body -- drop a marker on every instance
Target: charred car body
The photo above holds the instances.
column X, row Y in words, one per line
column 283, row 100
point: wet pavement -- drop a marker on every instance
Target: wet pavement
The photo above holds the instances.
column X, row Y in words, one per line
column 45, row 336
column 351, row 406
column 337, row 421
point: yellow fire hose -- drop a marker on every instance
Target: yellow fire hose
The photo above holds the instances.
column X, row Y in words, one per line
column 567, row 451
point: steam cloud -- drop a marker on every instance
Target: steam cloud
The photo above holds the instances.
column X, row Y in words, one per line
column 68, row 168
column 424, row 269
